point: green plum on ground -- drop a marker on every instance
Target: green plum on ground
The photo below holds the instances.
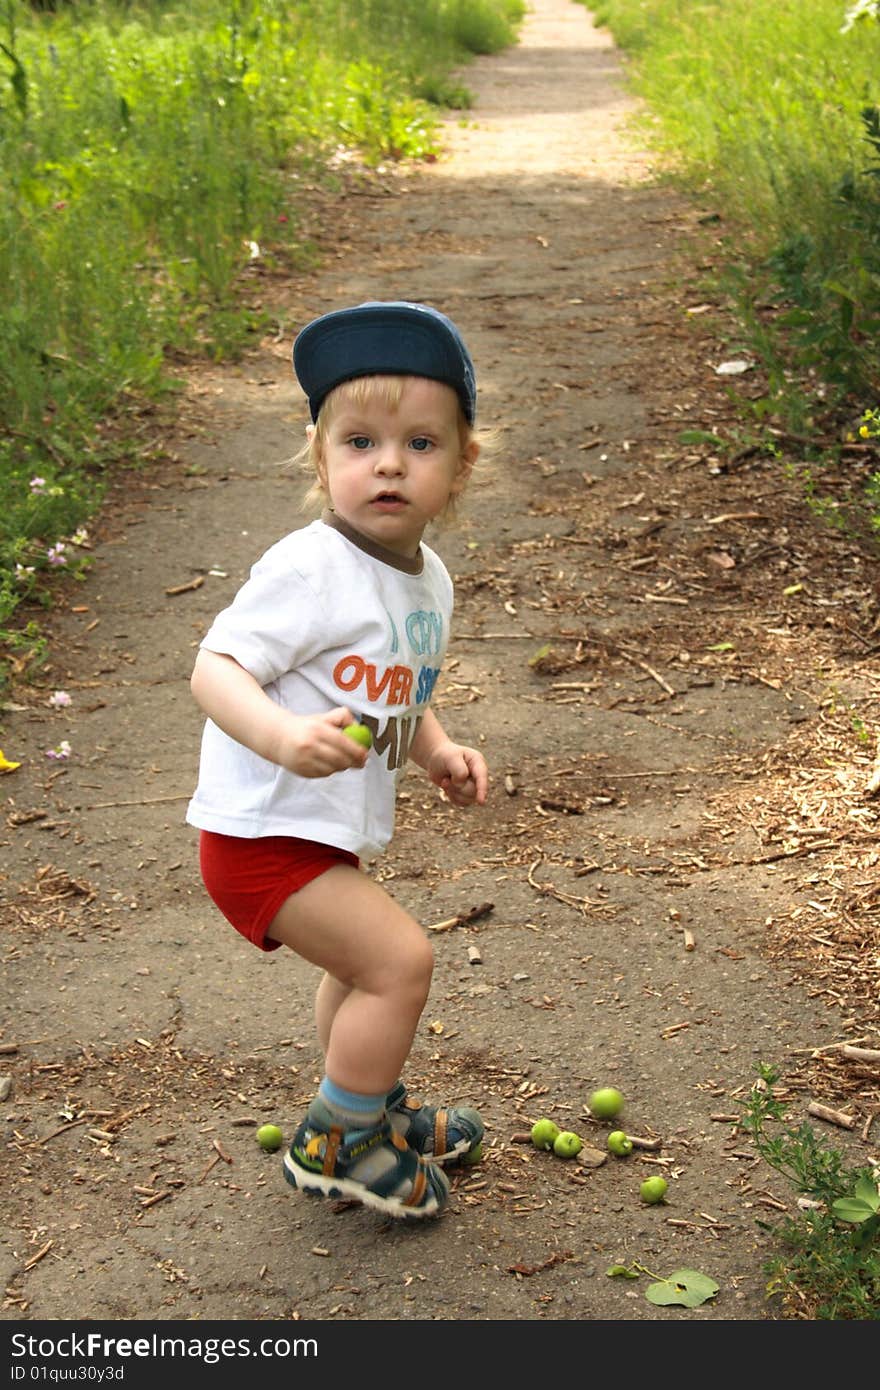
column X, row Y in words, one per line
column 605, row 1103
column 619, row 1143
column 544, row 1132
column 270, row 1138
column 567, row 1144
column 653, row 1190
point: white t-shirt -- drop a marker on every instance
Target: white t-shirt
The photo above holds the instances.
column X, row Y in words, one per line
column 327, row 618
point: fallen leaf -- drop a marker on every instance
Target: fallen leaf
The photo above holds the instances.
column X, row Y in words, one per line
column 687, row 1288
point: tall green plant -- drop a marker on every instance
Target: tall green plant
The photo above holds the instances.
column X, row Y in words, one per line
column 768, row 109
column 152, row 153
column 829, row 1265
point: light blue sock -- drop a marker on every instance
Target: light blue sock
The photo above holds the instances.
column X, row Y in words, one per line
column 356, row 1110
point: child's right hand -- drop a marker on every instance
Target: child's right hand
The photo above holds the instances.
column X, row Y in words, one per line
column 313, row 745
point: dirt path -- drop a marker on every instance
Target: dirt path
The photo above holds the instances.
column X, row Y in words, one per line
column 645, row 644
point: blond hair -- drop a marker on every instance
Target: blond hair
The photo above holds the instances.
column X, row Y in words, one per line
column 388, row 390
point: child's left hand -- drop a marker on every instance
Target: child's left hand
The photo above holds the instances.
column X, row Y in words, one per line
column 460, row 772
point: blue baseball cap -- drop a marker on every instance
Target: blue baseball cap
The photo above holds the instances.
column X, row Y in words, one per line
column 394, row 338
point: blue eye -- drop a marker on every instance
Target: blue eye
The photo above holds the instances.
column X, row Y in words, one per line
column 420, row 444
column 359, row 441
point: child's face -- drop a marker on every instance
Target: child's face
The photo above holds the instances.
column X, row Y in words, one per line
column 389, row 470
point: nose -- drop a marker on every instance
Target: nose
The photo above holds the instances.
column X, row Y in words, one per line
column 389, row 461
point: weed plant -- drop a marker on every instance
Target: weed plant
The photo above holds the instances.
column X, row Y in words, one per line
column 152, row 154
column 828, row 1265
column 770, row 109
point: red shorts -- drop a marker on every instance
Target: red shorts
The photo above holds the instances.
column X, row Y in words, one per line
column 250, row 880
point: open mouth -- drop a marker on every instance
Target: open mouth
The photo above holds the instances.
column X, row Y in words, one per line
column 388, row 499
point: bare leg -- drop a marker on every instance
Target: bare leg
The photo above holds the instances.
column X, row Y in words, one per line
column 440, row 1133
column 331, row 993
column 380, row 964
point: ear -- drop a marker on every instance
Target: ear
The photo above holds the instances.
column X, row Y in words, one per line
column 467, row 459
column 317, row 458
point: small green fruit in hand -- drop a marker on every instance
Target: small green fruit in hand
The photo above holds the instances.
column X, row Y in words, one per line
column 360, row 733
column 653, row 1190
column 619, row 1143
column 270, row 1138
column 544, row 1134
column 605, row 1103
column 567, row 1144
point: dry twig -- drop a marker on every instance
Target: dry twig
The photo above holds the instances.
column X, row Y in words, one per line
column 833, row 1117
column 461, row 919
column 186, row 588
column 41, row 1253
column 584, row 905
column 639, row 1141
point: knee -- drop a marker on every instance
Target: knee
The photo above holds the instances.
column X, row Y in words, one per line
column 417, row 963
column 414, row 965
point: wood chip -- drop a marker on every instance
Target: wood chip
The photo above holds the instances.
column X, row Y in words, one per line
column 526, row 1271
column 159, row 1197
column 212, row 1163
column 568, row 808
column 860, row 1054
column 187, row 588
column 833, row 1117
column 41, row 1254
column 640, row 1141
column 673, row 1029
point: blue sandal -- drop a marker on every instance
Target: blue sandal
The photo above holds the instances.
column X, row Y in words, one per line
column 441, row 1135
column 374, row 1166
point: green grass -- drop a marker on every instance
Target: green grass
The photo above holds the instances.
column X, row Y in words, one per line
column 152, row 154
column 769, row 111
